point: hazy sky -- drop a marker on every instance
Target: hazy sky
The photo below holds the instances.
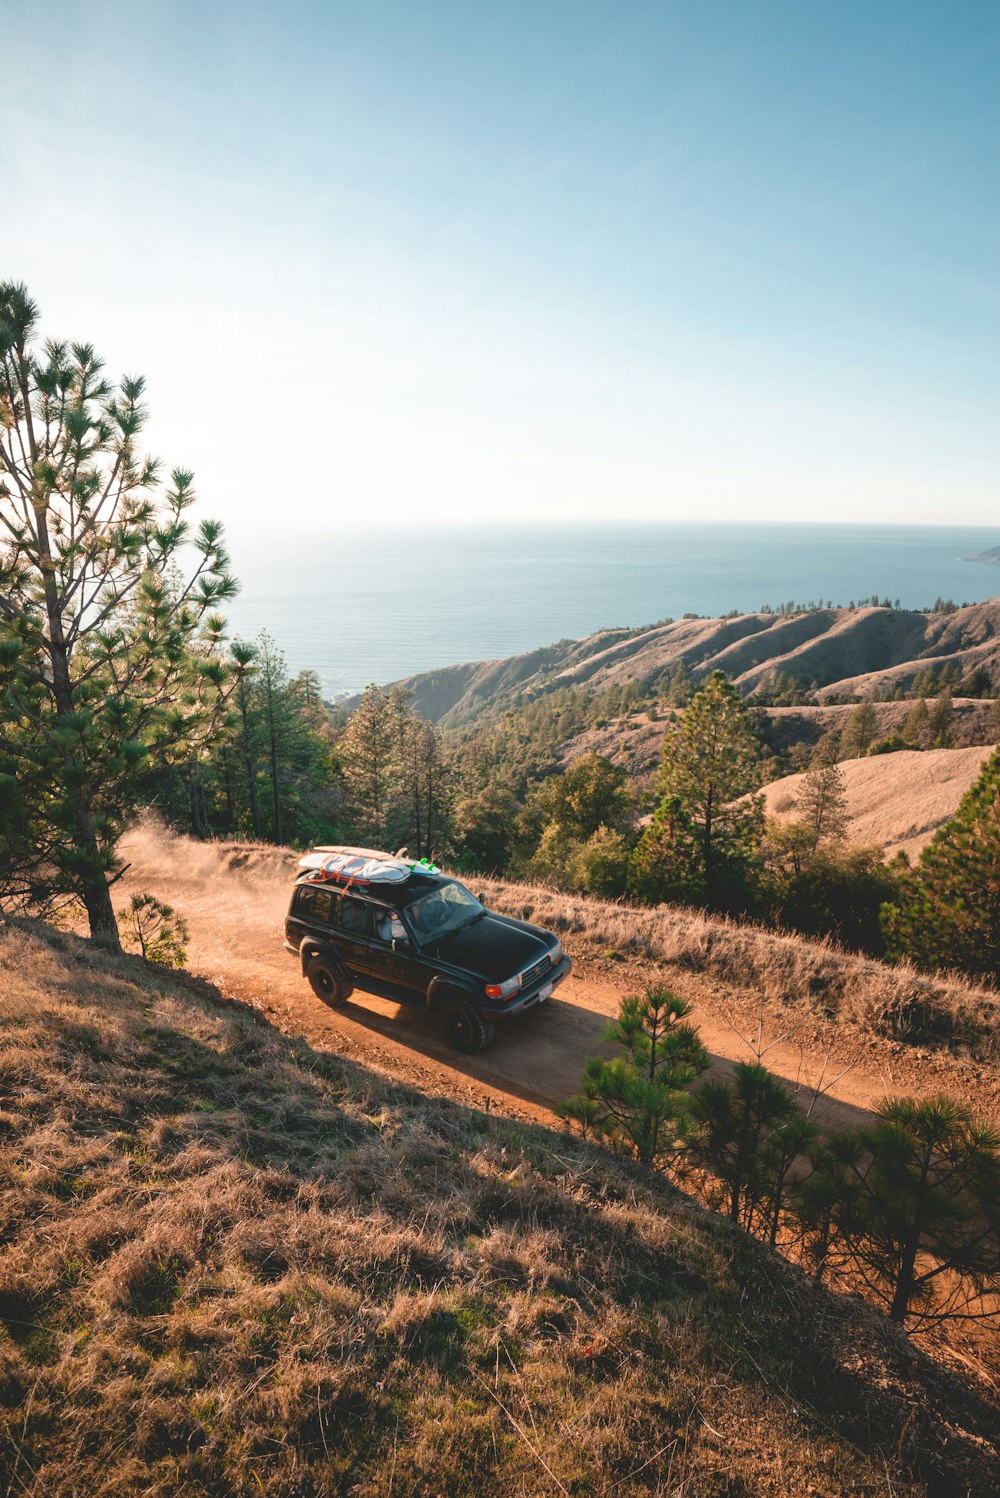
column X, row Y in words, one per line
column 401, row 261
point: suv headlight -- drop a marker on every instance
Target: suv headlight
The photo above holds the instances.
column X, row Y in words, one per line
column 556, row 955
column 503, row 990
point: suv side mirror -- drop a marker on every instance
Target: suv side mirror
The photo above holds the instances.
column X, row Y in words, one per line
column 482, row 900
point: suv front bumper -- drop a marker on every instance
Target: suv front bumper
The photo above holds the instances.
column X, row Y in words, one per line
column 539, row 993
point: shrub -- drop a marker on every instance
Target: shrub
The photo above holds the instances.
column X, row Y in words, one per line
column 154, row 930
column 840, row 893
column 638, row 1101
column 600, row 866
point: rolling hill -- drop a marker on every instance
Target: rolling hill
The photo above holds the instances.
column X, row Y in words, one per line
column 895, row 801
column 847, row 652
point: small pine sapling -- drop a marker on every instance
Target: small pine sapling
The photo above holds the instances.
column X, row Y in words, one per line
column 154, row 930
column 638, row 1102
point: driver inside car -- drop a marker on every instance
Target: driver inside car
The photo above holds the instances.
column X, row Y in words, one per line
column 389, row 927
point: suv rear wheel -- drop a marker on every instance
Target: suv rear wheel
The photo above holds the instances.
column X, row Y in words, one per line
column 328, row 982
column 462, row 1026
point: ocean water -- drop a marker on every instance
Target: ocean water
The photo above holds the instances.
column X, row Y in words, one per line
column 362, row 607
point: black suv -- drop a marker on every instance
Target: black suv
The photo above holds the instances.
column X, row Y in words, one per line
column 426, row 942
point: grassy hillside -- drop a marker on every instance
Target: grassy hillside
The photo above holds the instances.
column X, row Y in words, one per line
column 231, row 1263
column 844, row 651
column 895, row 801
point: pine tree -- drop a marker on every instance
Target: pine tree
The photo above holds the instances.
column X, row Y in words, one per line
column 740, row 1139
column 940, row 721
column 273, row 680
column 916, row 730
column 827, row 750
column 678, row 686
column 711, row 759
column 248, row 738
column 639, row 1101
column 992, row 725
column 919, row 1215
column 824, row 1200
column 269, row 769
column 860, row 731
column 591, row 793
column 821, row 806
column 665, row 864
column 948, row 910
column 155, row 930
column 369, row 752
column 427, row 787
column 110, row 658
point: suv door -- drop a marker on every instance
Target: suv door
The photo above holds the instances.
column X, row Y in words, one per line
column 353, row 917
column 376, row 966
column 395, row 963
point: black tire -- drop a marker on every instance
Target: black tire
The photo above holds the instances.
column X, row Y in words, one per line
column 328, row 981
column 462, row 1026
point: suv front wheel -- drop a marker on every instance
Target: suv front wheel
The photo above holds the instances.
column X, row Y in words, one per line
column 328, row 982
column 462, row 1026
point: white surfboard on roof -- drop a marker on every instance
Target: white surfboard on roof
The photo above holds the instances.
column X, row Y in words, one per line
column 361, row 865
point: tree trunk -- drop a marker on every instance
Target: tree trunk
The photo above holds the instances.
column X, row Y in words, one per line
column 276, row 790
column 94, row 889
column 823, row 1249
column 93, row 884
column 779, row 1191
column 199, row 826
column 227, row 783
column 903, row 1289
column 252, row 796
column 741, row 1162
column 248, row 765
column 430, row 809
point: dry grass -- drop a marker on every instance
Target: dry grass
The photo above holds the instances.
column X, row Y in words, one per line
column 231, row 1264
column 895, row 802
column 895, row 1001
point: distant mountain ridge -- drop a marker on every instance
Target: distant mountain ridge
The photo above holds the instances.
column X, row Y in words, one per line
column 838, row 651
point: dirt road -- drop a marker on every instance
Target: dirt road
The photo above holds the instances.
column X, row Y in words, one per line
column 234, row 901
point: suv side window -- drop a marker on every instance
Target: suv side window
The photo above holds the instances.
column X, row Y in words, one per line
column 314, row 904
column 389, row 927
column 355, row 917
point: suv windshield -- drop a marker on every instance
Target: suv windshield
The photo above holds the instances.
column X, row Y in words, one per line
column 445, row 910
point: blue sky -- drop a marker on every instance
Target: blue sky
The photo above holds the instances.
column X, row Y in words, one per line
column 390, row 261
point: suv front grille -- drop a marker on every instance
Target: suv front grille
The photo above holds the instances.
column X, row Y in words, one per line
column 532, row 974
